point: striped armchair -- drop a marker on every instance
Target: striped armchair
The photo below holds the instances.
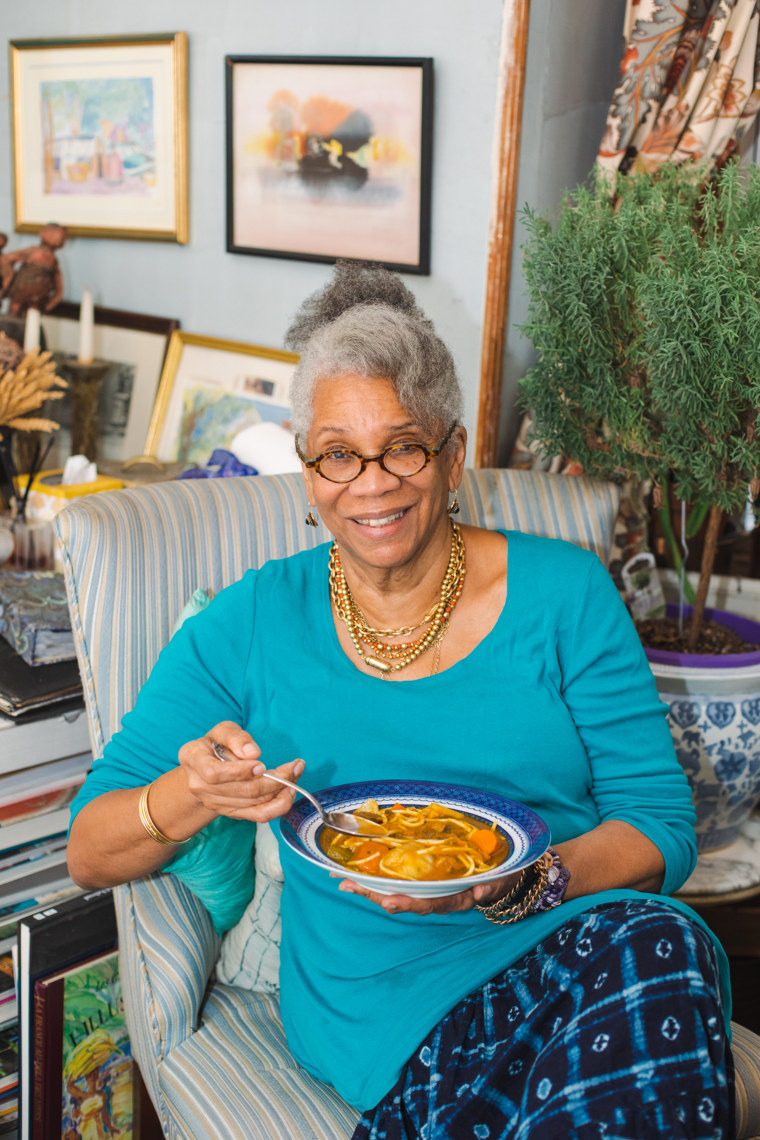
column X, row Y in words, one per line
column 214, row 1057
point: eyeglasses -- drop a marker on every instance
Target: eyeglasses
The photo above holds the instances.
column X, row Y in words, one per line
column 342, row 465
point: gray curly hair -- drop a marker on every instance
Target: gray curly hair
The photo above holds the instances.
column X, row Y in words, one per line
column 366, row 322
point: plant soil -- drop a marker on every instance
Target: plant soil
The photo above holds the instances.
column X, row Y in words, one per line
column 663, row 633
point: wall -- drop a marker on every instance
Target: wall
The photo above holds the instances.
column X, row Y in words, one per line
column 573, row 65
column 570, row 76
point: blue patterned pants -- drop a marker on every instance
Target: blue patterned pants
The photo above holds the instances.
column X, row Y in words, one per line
column 610, row 1029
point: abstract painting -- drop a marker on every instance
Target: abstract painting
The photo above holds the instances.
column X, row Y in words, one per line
column 329, row 158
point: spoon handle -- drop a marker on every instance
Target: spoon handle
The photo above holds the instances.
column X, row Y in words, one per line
column 296, row 788
column 220, row 753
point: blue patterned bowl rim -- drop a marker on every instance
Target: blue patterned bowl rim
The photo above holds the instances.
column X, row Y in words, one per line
column 528, row 833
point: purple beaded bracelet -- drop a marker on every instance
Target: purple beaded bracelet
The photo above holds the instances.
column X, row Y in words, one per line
column 558, row 878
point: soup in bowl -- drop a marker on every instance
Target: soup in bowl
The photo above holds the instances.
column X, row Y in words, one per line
column 441, row 838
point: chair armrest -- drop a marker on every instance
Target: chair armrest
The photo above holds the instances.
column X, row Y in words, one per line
column 167, row 950
column 745, row 1047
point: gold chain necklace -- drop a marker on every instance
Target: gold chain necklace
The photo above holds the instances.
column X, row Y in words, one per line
column 392, row 657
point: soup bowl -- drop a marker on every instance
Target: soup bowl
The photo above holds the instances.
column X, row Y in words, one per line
column 527, row 833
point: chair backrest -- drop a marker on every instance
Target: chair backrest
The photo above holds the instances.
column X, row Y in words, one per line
column 132, row 559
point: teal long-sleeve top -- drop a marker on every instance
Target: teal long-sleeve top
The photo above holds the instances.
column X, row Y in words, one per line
column 556, row 707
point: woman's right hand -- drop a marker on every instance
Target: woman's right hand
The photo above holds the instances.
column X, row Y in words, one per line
column 108, row 843
column 235, row 787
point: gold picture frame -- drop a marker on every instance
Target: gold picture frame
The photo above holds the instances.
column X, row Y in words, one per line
column 100, row 136
column 210, row 389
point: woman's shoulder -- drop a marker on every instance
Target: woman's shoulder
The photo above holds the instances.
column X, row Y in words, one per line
column 293, row 573
column 277, row 587
column 541, row 554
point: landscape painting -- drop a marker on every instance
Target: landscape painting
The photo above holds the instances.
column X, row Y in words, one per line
column 211, row 390
column 100, row 135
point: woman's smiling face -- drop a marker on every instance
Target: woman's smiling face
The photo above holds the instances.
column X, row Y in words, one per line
column 379, row 520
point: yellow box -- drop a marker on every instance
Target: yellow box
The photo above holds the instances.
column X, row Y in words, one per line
column 49, row 483
column 48, row 495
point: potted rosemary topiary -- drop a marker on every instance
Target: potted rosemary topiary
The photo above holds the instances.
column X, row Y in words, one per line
column 645, row 314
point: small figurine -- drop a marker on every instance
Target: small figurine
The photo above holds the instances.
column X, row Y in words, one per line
column 31, row 278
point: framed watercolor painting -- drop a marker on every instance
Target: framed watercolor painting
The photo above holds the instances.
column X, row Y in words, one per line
column 100, row 135
column 135, row 345
column 212, row 389
column 330, row 158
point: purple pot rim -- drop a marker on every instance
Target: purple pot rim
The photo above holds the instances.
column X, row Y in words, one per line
column 745, row 626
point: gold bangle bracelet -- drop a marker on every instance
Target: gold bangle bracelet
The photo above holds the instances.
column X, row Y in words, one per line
column 149, row 825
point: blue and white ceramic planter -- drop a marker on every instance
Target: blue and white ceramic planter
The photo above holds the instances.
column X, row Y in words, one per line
column 714, row 717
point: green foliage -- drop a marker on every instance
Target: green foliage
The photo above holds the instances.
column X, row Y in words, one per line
column 645, row 314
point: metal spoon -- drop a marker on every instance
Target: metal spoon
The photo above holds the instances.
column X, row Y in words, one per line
column 337, row 820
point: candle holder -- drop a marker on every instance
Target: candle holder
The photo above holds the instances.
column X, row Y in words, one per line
column 85, row 381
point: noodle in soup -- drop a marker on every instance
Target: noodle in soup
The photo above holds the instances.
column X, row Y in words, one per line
column 421, row 844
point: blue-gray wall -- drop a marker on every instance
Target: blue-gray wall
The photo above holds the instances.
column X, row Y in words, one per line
column 573, row 59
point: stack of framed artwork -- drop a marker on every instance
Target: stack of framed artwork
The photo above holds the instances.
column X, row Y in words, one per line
column 212, row 389
column 326, row 157
column 135, row 346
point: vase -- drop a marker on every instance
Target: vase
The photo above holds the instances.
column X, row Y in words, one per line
column 714, row 717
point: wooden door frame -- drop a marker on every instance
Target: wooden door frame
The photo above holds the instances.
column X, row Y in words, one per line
column 506, row 163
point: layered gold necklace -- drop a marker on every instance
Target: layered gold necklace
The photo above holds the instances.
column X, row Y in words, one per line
column 391, row 657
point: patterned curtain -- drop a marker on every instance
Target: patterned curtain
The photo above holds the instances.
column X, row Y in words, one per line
column 689, row 85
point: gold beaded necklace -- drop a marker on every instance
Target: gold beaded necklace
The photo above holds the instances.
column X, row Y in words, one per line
column 384, row 657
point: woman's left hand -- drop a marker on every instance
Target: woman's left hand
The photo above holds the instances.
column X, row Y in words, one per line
column 483, row 894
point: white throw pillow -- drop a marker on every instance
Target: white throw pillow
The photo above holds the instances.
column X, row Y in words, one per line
column 250, row 953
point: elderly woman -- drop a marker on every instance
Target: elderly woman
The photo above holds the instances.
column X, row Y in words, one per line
column 575, row 1000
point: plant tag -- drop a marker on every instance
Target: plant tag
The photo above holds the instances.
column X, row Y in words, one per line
column 643, row 590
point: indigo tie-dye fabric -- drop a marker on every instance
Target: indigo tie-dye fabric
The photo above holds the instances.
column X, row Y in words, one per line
column 610, row 1029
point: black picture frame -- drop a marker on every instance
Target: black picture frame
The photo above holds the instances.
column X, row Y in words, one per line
column 135, row 345
column 330, row 157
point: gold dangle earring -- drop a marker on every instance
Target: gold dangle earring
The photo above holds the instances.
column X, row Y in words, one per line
column 310, row 519
column 453, row 508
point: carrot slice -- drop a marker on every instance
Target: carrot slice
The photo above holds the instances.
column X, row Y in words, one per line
column 369, row 854
column 487, row 841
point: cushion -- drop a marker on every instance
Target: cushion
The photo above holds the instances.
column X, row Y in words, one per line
column 217, row 866
column 250, row 953
column 198, row 602
column 226, row 889
column 234, row 1078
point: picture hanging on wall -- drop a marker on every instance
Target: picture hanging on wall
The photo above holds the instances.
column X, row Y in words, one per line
column 330, row 157
column 135, row 345
column 100, row 135
column 213, row 389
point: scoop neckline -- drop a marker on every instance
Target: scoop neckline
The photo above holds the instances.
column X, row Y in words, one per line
column 336, row 649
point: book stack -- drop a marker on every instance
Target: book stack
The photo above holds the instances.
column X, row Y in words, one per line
column 34, row 616
column 8, row 1039
column 26, row 688
column 8, row 1077
column 75, row 1071
column 38, row 665
column 9, row 1017
column 34, row 816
